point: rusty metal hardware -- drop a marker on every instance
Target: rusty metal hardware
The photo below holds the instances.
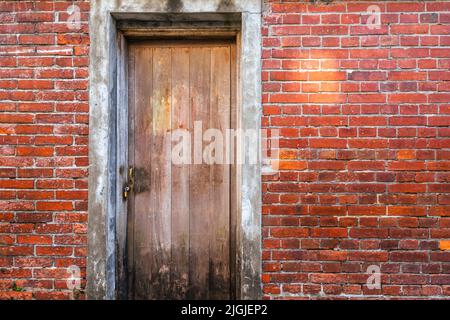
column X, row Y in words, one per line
column 130, row 185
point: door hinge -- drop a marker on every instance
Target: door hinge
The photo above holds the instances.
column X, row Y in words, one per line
column 130, row 184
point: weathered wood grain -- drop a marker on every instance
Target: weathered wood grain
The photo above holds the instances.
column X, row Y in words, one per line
column 180, row 176
column 181, row 225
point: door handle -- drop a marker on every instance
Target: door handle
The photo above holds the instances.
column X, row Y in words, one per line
column 130, row 184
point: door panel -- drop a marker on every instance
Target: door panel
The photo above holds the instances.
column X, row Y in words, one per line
column 180, row 221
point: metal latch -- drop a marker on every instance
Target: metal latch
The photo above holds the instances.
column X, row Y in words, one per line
column 129, row 186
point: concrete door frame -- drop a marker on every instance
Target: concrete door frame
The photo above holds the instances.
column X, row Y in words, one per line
column 108, row 131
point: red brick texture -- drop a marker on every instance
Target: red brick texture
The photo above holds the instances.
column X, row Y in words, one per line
column 43, row 148
column 364, row 117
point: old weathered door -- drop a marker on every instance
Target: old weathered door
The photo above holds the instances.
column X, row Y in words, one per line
column 181, row 238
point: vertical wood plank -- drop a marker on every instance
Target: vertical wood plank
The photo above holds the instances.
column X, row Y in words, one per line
column 199, row 178
column 143, row 221
column 160, row 174
column 180, row 176
column 219, row 238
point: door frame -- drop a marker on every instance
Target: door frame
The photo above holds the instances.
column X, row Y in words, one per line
column 112, row 23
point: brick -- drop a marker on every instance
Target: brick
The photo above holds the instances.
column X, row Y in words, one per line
column 369, row 53
column 72, row 39
column 54, row 206
column 289, row 232
column 35, row 151
column 16, row 251
column 406, row 75
column 368, row 233
column 53, row 251
column 409, row 29
column 329, row 233
column 35, row 84
column 34, row 17
column 367, row 256
column 292, row 165
column 409, row 256
column 407, row 98
column 406, row 210
column 32, row 239
column 406, row 165
column 407, row 188
column 327, row 210
column 366, row 210
column 16, row 118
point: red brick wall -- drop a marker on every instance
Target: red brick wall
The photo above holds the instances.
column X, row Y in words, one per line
column 43, row 147
column 363, row 116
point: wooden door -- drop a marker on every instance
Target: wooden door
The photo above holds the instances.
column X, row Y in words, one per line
column 181, row 221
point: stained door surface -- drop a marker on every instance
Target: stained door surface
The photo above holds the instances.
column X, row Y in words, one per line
column 180, row 222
